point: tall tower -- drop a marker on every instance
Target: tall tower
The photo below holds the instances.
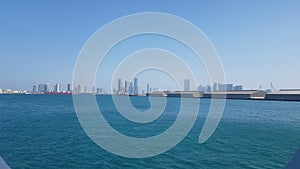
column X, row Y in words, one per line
column 34, row 88
column 136, row 87
column 48, row 87
column 44, row 87
column 68, row 87
column 187, row 85
column 148, row 88
column 56, row 88
column 126, row 86
column 41, row 88
column 79, row 90
column 131, row 90
column 215, row 87
column 119, row 86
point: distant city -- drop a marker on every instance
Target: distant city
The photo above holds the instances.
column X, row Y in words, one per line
column 131, row 88
column 123, row 88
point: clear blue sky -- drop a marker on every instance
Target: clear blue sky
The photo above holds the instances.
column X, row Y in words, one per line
column 257, row 41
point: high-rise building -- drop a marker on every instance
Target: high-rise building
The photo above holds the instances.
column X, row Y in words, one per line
column 48, row 88
column 119, row 86
column 34, row 88
column 238, row 87
column 225, row 87
column 41, row 88
column 85, row 89
column 202, row 88
column 126, row 86
column 148, row 88
column 228, row 87
column 187, row 85
column 130, row 90
column 44, row 87
column 208, row 88
column 221, row 87
column 68, row 87
column 79, row 89
column 215, row 87
column 56, row 88
column 136, row 87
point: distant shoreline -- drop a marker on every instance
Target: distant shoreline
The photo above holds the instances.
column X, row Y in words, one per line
column 206, row 98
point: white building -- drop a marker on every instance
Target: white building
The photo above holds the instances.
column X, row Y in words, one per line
column 56, row 88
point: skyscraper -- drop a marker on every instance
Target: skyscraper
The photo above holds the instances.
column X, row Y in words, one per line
column 187, row 85
column 44, row 87
column 41, row 88
column 34, row 88
column 202, row 88
column 126, row 86
column 130, row 91
column 225, row 87
column 119, row 86
column 136, row 87
column 215, row 87
column 148, row 88
column 228, row 87
column 79, row 90
column 68, row 87
column 221, row 87
column 56, row 88
column 48, row 87
column 238, row 87
column 208, row 88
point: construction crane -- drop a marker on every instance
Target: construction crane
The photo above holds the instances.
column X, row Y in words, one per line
column 272, row 87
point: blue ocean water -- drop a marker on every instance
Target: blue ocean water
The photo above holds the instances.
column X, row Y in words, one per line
column 42, row 131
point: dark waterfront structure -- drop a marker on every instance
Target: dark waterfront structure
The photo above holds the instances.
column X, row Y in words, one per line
column 242, row 95
column 284, row 95
column 185, row 94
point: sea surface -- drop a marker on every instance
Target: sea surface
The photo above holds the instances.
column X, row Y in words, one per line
column 42, row 131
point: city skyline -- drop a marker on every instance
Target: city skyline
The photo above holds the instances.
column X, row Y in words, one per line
column 133, row 88
column 257, row 41
column 150, row 84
